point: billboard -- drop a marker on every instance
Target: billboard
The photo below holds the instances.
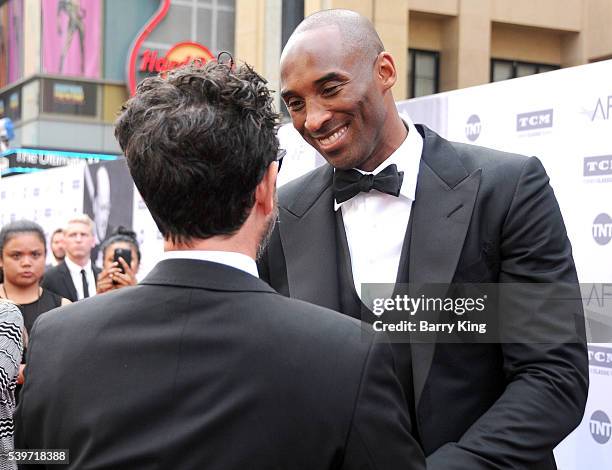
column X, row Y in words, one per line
column 66, row 97
column 15, row 40
column 72, row 42
column 4, row 49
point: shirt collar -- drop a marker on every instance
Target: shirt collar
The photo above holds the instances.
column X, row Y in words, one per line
column 75, row 268
column 407, row 158
column 229, row 258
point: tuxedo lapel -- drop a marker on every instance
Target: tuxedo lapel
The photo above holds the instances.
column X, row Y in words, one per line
column 308, row 233
column 67, row 280
column 441, row 213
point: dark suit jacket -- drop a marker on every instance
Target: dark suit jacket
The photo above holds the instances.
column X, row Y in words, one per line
column 479, row 216
column 205, row 366
column 58, row 280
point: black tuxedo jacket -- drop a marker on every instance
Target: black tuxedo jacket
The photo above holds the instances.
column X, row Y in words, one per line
column 203, row 366
column 58, row 280
column 479, row 216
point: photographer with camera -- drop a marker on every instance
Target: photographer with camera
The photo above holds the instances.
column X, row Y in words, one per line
column 121, row 260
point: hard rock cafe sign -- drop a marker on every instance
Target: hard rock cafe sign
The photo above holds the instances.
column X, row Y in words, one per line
column 145, row 61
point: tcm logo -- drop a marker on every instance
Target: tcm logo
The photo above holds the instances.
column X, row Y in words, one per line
column 181, row 54
column 600, row 427
column 473, row 127
column 602, row 229
column 534, row 120
column 598, row 166
column 602, row 109
column 600, row 357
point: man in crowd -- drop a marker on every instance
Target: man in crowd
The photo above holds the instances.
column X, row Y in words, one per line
column 203, row 365
column 57, row 247
column 75, row 278
column 398, row 203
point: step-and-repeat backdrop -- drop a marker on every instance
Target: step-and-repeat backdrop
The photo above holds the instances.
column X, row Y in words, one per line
column 562, row 117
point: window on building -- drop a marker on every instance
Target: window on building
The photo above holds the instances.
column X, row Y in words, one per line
column 505, row 69
column 208, row 22
column 292, row 15
column 423, row 72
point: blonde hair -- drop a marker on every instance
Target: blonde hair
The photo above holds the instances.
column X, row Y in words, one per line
column 80, row 219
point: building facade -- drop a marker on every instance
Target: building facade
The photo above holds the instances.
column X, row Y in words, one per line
column 65, row 64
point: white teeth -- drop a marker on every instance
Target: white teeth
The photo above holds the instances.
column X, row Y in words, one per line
column 334, row 137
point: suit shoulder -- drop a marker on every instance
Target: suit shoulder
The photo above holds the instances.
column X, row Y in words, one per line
column 53, row 271
column 79, row 315
column 474, row 156
column 52, row 278
column 320, row 324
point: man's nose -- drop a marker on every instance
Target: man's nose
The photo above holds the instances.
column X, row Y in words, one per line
column 316, row 117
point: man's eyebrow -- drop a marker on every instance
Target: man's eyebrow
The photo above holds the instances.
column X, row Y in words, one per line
column 329, row 77
column 319, row 81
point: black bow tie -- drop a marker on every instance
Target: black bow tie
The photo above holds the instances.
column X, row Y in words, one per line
column 349, row 183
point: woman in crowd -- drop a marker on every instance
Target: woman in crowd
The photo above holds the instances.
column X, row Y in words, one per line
column 22, row 259
column 11, row 350
column 116, row 272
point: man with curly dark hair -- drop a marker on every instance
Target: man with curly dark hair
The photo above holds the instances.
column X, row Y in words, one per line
column 203, row 365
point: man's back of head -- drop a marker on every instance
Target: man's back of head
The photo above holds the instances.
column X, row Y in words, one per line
column 198, row 141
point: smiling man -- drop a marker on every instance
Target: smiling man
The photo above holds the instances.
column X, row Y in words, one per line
column 398, row 203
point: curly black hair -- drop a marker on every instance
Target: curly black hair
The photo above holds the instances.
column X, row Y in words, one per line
column 198, row 140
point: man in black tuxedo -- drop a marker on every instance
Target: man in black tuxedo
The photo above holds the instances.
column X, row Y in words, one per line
column 203, row 365
column 76, row 277
column 436, row 212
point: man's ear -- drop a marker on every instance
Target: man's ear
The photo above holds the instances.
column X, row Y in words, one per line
column 385, row 70
column 266, row 189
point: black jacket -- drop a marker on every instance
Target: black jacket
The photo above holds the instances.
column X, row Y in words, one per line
column 203, row 366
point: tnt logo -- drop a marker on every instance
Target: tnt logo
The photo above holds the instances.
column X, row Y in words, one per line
column 473, row 127
column 602, row 229
column 600, row 427
column 598, row 166
column 534, row 120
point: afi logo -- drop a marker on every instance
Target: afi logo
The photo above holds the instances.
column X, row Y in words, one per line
column 600, row 427
column 602, row 229
column 473, row 127
column 534, row 120
column 598, row 166
column 602, row 110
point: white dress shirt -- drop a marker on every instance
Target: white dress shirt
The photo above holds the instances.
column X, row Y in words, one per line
column 228, row 258
column 376, row 223
column 77, row 280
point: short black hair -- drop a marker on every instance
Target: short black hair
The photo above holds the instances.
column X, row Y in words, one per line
column 198, row 140
column 124, row 235
column 12, row 229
